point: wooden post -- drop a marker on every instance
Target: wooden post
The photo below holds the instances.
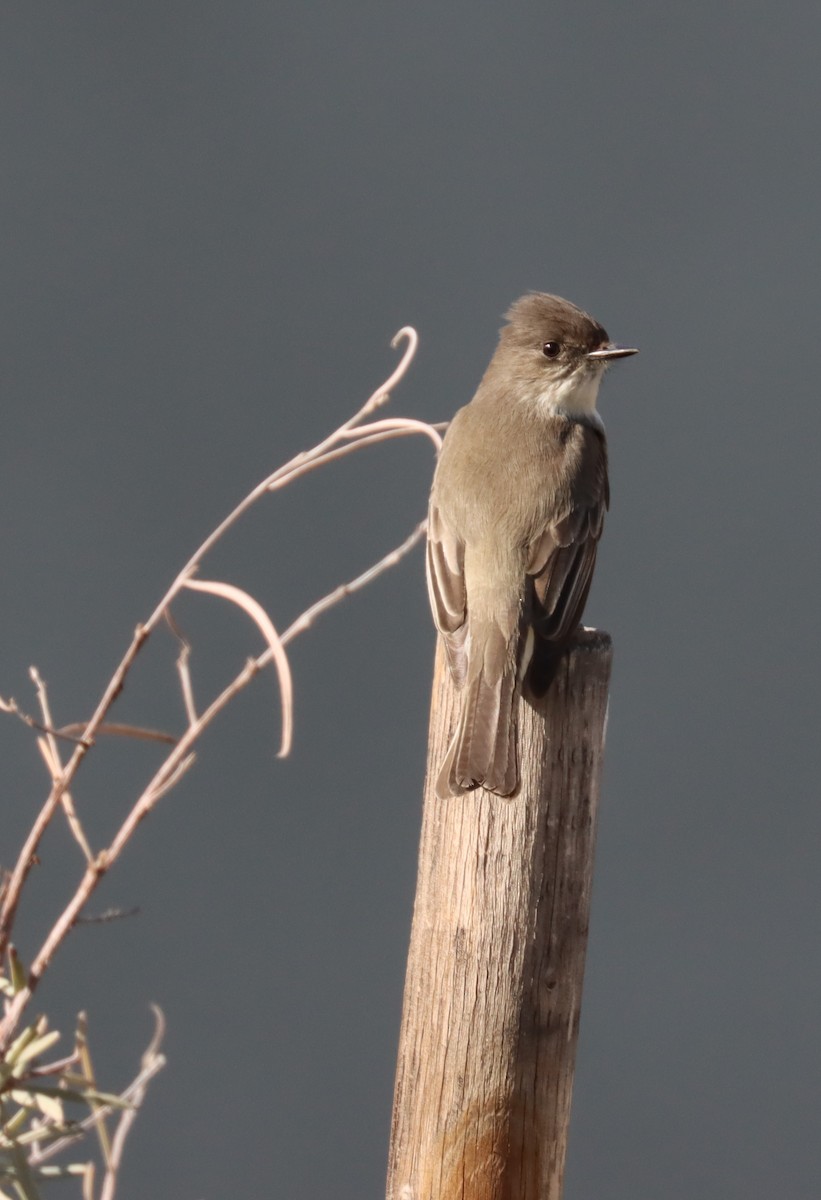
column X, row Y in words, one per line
column 494, row 978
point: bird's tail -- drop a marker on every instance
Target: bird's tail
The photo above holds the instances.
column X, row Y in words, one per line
column 541, row 670
column 483, row 749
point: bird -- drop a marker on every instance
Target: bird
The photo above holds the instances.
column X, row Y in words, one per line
column 516, row 511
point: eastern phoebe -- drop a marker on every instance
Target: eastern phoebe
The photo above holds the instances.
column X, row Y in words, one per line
column 516, row 512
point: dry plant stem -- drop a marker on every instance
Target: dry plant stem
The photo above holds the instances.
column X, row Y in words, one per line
column 74, row 824
column 51, row 754
column 26, row 857
column 181, row 757
column 258, row 614
column 306, row 620
column 379, row 397
column 171, row 769
column 186, row 685
column 108, row 915
column 25, row 860
column 13, row 708
column 383, row 431
column 87, row 1067
column 45, row 709
column 152, row 1063
column 167, row 773
column 183, row 669
column 118, row 729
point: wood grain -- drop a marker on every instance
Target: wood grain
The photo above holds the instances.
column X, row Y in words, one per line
column 496, row 961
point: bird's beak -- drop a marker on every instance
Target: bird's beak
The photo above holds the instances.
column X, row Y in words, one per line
column 605, row 353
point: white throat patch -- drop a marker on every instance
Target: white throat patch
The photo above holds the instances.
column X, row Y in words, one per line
column 574, row 396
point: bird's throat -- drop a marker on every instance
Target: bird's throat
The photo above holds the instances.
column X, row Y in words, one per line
column 573, row 396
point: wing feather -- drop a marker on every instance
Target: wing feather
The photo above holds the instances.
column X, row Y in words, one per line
column 562, row 557
column 445, row 570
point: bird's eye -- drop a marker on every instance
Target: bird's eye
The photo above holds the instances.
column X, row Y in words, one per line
column 551, row 349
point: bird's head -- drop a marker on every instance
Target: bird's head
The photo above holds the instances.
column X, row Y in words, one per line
column 556, row 353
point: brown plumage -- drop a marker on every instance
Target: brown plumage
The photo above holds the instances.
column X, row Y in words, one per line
column 516, row 512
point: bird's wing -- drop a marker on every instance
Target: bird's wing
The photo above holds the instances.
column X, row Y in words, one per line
column 445, row 569
column 562, row 557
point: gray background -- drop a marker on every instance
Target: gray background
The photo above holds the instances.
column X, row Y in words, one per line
column 214, row 216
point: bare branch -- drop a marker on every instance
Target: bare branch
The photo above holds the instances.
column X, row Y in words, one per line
column 397, row 426
column 42, row 697
column 343, row 440
column 51, row 754
column 110, row 914
column 175, row 764
column 28, row 853
column 46, row 748
column 186, row 685
column 266, row 627
column 156, row 792
column 383, row 394
column 358, row 439
column 151, row 1063
column 11, row 707
column 183, row 668
column 116, row 729
column 307, row 618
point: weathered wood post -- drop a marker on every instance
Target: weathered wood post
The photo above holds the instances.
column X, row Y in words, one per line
column 496, row 962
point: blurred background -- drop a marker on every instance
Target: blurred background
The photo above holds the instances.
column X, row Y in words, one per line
column 213, row 218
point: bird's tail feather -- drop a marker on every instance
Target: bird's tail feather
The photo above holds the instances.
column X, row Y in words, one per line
column 483, row 749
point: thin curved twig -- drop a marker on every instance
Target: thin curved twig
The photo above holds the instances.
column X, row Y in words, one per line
column 352, row 435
